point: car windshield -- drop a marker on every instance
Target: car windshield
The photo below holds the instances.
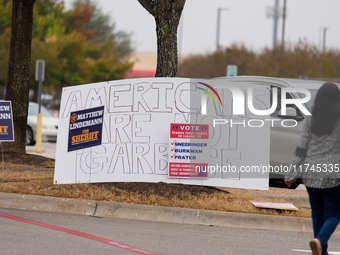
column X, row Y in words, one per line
column 33, row 111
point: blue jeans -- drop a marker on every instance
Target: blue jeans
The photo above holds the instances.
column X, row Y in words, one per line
column 325, row 204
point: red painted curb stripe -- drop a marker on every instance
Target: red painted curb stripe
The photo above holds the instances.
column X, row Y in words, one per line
column 81, row 234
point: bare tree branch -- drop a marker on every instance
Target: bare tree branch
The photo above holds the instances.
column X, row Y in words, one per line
column 149, row 5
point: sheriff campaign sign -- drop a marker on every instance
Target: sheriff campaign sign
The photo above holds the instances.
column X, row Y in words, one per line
column 85, row 128
column 6, row 122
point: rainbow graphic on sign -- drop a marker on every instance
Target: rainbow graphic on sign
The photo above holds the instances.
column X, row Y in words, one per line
column 214, row 92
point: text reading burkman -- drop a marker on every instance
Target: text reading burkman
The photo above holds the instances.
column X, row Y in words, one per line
column 86, row 136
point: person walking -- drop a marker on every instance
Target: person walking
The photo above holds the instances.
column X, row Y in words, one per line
column 317, row 162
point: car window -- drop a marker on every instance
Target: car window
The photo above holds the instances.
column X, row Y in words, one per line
column 33, row 111
column 275, row 114
column 310, row 103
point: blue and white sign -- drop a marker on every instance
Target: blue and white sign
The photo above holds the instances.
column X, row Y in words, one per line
column 6, row 122
column 231, row 70
column 85, row 128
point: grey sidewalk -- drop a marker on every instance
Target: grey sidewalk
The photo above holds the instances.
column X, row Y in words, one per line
column 154, row 213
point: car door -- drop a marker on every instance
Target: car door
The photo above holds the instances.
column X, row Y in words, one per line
column 284, row 138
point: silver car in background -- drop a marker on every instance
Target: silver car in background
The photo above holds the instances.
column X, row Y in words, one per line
column 283, row 140
column 49, row 124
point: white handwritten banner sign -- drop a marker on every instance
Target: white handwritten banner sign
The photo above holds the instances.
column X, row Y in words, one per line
column 6, row 122
column 135, row 133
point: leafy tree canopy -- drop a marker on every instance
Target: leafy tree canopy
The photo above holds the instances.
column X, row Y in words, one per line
column 80, row 45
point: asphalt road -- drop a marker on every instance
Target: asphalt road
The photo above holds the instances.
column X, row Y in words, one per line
column 18, row 237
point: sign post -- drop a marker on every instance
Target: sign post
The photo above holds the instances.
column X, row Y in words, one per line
column 39, row 76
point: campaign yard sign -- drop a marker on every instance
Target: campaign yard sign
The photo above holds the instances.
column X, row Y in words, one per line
column 85, row 128
column 6, row 122
column 135, row 132
column 274, row 205
column 188, row 144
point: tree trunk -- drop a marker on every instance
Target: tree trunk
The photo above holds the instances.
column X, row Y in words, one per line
column 167, row 14
column 17, row 86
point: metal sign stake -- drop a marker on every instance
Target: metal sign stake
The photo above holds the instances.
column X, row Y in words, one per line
column 2, row 157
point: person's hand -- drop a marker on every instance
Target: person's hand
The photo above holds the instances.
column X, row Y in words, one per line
column 288, row 184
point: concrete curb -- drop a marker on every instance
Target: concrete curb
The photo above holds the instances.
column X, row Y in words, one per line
column 154, row 213
column 47, row 204
column 202, row 217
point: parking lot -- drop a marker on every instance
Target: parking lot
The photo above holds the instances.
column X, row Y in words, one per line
column 48, row 149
